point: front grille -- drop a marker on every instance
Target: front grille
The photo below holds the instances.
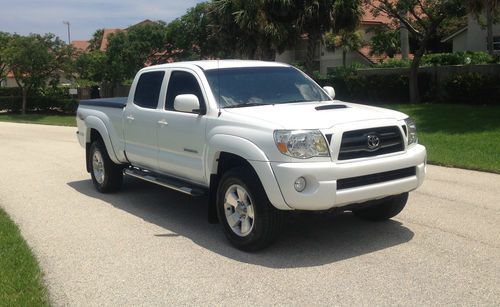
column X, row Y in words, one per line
column 360, row 181
column 355, row 143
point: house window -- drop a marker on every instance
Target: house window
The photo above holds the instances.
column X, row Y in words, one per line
column 496, row 43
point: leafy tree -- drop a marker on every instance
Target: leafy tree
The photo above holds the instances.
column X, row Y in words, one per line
column 129, row 51
column 4, row 41
column 202, row 41
column 35, row 60
column 96, row 40
column 91, row 65
column 491, row 8
column 422, row 18
column 386, row 42
column 346, row 40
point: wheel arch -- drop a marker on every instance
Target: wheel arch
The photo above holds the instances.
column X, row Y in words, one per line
column 227, row 152
column 96, row 129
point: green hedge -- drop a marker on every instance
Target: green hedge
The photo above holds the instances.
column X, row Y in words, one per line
column 469, row 88
column 46, row 99
column 457, row 58
column 473, row 88
column 376, row 88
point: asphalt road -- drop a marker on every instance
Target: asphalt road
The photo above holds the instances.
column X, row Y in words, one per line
column 150, row 246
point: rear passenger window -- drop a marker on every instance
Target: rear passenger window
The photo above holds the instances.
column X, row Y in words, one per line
column 148, row 89
column 180, row 83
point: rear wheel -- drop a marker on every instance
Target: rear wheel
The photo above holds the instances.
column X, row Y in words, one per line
column 384, row 210
column 250, row 221
column 106, row 175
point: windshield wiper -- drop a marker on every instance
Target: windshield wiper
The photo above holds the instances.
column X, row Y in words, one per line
column 251, row 104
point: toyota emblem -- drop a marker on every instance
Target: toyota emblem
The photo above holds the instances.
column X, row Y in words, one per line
column 373, row 141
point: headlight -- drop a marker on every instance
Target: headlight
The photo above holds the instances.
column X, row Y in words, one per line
column 412, row 131
column 302, row 144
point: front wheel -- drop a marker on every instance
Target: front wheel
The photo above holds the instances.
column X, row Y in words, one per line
column 384, row 210
column 106, row 175
column 250, row 221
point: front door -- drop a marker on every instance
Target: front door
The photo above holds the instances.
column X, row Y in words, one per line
column 181, row 136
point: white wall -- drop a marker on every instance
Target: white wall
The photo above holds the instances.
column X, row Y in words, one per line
column 460, row 42
column 477, row 36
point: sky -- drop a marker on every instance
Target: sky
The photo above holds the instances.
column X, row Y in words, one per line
column 84, row 16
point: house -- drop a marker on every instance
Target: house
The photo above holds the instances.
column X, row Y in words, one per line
column 83, row 45
column 473, row 37
column 327, row 59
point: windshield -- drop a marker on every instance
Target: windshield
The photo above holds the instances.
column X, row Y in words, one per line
column 250, row 86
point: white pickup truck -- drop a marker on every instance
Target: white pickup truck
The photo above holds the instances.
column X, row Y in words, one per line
column 258, row 139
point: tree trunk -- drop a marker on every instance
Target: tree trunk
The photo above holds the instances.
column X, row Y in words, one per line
column 405, row 45
column 311, row 49
column 489, row 25
column 414, row 92
column 344, row 58
column 25, row 98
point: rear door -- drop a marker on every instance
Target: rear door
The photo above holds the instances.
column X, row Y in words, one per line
column 140, row 120
column 181, row 136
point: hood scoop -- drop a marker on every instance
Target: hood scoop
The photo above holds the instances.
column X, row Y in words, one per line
column 331, row 107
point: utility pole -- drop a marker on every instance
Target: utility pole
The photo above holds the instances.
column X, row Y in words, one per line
column 69, row 35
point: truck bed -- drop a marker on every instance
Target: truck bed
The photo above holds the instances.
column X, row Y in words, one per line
column 113, row 102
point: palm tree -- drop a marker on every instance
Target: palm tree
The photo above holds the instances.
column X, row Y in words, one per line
column 347, row 40
column 477, row 7
column 317, row 17
column 260, row 28
column 257, row 29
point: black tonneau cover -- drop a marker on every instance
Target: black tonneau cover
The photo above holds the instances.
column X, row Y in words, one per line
column 114, row 102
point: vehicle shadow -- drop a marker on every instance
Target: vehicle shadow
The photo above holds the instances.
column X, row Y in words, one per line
column 308, row 239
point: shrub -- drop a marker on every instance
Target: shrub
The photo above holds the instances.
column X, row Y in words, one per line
column 43, row 99
column 457, row 58
column 394, row 63
column 472, row 88
column 390, row 88
column 10, row 103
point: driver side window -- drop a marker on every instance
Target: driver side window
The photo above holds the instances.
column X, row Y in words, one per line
column 180, row 83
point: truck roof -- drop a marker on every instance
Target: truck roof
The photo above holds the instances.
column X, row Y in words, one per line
column 214, row 64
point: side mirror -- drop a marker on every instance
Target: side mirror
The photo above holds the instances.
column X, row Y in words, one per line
column 187, row 103
column 330, row 91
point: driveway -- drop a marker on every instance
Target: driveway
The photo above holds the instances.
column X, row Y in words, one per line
column 150, row 246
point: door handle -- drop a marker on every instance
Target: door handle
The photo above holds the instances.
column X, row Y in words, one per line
column 162, row 122
column 130, row 117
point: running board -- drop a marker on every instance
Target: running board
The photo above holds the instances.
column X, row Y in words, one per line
column 164, row 181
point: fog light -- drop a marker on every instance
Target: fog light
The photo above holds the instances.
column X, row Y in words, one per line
column 300, row 184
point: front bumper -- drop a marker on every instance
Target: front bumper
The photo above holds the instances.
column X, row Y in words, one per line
column 321, row 191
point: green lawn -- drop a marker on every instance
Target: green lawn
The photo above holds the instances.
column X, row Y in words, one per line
column 58, row 120
column 458, row 135
column 20, row 276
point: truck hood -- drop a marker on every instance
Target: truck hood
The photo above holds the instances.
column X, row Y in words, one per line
column 320, row 115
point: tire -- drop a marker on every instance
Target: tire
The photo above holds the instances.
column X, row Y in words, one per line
column 249, row 220
column 106, row 175
column 384, row 210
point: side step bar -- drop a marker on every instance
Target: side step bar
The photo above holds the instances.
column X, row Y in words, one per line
column 164, row 181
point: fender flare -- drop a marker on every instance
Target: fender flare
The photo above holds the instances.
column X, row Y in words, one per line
column 93, row 122
column 255, row 157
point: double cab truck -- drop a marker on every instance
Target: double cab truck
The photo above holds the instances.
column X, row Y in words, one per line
column 256, row 139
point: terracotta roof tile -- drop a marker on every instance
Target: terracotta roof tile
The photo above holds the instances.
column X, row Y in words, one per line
column 369, row 18
column 81, row 45
column 105, row 36
column 375, row 59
